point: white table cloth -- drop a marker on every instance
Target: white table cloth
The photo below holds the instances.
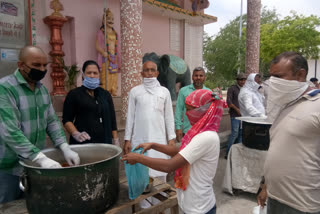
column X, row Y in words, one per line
column 244, row 169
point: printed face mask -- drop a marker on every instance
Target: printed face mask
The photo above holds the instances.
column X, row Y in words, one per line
column 196, row 114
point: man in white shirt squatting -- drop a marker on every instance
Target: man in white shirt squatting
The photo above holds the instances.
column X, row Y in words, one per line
column 150, row 116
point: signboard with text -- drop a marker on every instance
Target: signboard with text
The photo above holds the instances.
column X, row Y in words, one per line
column 11, row 55
column 12, row 24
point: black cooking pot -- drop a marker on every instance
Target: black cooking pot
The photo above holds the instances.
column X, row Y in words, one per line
column 91, row 187
column 255, row 132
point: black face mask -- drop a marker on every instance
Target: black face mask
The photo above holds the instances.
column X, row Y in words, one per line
column 36, row 74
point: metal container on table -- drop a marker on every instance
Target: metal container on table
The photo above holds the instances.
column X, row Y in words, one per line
column 91, row 187
column 255, row 132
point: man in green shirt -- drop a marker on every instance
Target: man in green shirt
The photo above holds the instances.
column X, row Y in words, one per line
column 26, row 115
column 180, row 119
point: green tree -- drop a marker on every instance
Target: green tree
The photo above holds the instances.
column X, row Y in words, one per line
column 221, row 52
column 292, row 33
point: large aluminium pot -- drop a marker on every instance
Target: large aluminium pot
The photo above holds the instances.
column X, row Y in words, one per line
column 255, row 132
column 91, row 187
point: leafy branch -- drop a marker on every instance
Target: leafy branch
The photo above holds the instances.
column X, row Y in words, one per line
column 72, row 72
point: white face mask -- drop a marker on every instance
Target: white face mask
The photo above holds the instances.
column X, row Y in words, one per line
column 150, row 84
column 282, row 93
column 149, row 81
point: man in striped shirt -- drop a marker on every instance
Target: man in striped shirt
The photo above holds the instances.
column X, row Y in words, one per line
column 26, row 115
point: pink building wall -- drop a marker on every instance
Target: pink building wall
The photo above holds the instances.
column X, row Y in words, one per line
column 85, row 19
column 79, row 33
column 156, row 35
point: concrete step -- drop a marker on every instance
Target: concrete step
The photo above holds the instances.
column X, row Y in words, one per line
column 120, row 123
column 224, row 136
column 117, row 102
column 225, row 123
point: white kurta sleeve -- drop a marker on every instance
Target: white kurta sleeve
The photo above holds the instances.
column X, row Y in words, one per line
column 169, row 117
column 130, row 116
column 246, row 100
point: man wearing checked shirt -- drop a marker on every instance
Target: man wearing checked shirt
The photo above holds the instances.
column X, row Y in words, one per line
column 26, row 115
column 180, row 119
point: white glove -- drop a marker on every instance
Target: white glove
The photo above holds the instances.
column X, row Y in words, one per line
column 71, row 157
column 116, row 142
column 263, row 116
column 81, row 136
column 45, row 162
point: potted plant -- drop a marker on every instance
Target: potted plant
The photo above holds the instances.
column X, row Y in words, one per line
column 72, row 72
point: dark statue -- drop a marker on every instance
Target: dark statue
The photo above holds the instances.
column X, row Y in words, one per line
column 172, row 70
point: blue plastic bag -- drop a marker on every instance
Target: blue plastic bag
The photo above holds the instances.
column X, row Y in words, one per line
column 137, row 177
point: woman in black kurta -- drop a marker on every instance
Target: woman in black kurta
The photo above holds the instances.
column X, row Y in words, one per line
column 88, row 111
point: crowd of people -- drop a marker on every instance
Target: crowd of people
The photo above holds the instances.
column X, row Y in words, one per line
column 292, row 167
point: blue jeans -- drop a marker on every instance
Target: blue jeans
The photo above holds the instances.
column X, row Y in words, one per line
column 275, row 207
column 212, row 211
column 9, row 188
column 236, row 133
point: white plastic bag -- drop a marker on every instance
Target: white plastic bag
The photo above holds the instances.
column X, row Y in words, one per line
column 259, row 210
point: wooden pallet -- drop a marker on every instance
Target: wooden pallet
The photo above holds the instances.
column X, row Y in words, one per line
column 169, row 202
column 166, row 202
